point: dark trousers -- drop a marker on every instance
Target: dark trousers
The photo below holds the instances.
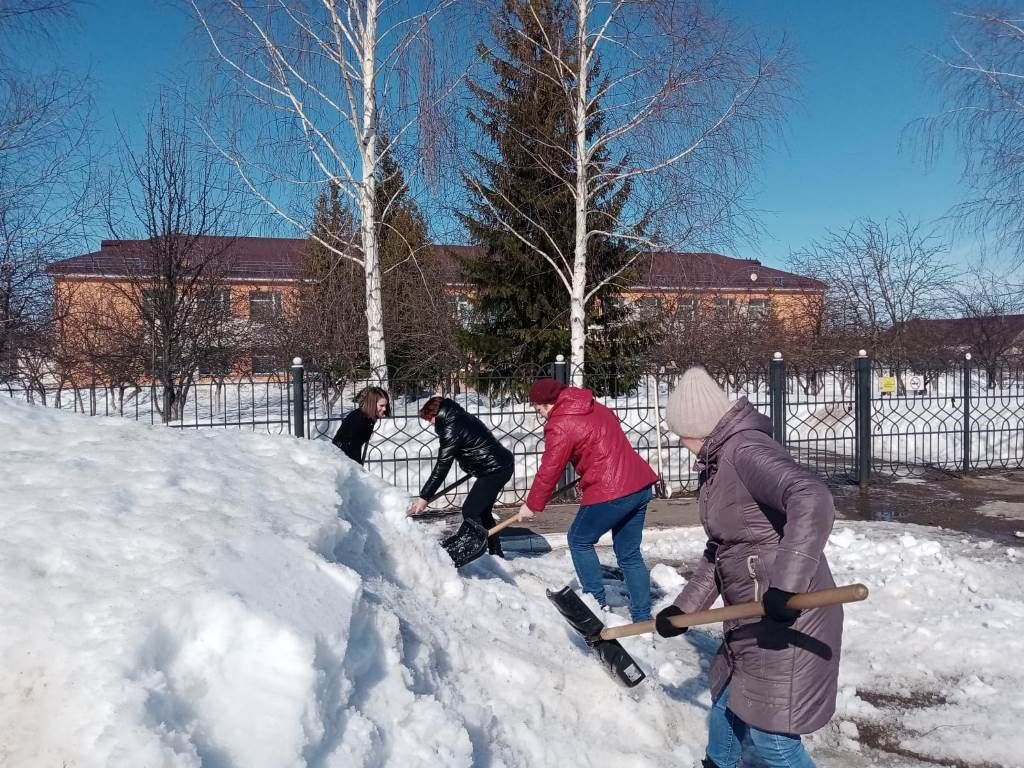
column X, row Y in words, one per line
column 480, row 502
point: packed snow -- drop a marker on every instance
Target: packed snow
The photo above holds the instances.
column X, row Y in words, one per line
column 218, row 598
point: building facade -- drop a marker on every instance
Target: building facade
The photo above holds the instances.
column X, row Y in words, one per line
column 99, row 296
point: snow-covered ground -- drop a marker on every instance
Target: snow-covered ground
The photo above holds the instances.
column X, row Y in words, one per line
column 223, row 599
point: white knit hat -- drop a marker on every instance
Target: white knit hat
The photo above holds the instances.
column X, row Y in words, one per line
column 696, row 405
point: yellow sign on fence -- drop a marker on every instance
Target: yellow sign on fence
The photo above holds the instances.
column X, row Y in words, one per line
column 887, row 385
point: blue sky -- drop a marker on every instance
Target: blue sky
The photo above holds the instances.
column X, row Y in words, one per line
column 860, row 68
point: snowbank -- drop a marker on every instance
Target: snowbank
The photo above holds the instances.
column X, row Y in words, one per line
column 217, row 598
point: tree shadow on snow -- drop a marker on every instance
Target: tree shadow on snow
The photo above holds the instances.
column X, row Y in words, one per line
column 486, row 568
column 362, row 548
column 364, row 666
column 690, row 690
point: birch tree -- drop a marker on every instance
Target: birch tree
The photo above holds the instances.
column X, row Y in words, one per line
column 325, row 79
column 980, row 76
column 520, row 310
column 678, row 102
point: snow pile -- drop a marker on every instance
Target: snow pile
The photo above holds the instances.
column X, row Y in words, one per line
column 226, row 599
column 217, row 598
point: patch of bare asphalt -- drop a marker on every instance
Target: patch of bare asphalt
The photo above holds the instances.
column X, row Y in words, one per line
column 885, row 734
column 989, row 505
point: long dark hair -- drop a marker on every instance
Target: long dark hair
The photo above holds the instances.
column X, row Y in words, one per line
column 431, row 407
column 368, row 399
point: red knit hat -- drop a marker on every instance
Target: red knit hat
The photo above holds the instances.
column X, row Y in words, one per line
column 545, row 391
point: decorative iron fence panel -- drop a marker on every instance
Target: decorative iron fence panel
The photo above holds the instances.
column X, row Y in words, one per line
column 958, row 420
column 820, row 429
column 258, row 403
column 995, row 433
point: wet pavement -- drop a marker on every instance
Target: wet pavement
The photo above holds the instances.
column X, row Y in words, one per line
column 989, row 505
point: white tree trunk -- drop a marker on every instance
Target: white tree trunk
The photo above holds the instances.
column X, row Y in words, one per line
column 577, row 298
column 368, row 197
column 374, row 292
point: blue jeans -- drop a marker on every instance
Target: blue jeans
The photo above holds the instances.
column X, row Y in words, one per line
column 625, row 519
column 726, row 734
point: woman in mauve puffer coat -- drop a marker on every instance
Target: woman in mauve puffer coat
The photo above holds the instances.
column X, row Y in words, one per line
column 767, row 521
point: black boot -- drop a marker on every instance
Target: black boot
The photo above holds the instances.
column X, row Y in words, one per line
column 707, row 763
column 494, row 547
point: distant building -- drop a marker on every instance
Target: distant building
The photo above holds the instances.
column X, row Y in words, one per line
column 989, row 338
column 260, row 277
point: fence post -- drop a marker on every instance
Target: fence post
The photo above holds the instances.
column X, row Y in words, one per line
column 862, row 418
column 561, row 370
column 777, row 397
column 298, row 398
column 966, row 439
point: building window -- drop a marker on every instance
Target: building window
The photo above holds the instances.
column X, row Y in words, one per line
column 464, row 311
column 686, row 309
column 757, row 308
column 725, row 306
column 215, row 365
column 219, row 301
column 264, row 306
column 151, row 301
column 649, row 307
column 155, row 363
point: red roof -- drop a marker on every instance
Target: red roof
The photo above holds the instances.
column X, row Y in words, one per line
column 279, row 258
column 965, row 330
column 711, row 271
column 245, row 258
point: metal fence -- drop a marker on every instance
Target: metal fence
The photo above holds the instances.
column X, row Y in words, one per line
column 846, row 423
column 258, row 403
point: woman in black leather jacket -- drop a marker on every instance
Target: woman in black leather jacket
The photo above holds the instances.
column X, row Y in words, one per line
column 465, row 439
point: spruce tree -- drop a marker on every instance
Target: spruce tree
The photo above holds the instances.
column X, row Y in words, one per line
column 522, row 191
column 520, row 308
column 330, row 319
column 418, row 315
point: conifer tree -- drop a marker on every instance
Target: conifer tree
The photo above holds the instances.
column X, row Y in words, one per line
column 522, row 200
column 330, row 316
column 419, row 316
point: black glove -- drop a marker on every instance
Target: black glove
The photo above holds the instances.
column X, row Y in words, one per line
column 662, row 625
column 774, row 602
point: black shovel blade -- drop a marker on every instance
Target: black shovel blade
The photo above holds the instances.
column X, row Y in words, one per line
column 466, row 544
column 613, row 656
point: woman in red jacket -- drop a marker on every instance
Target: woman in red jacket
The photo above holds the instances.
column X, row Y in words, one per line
column 614, row 480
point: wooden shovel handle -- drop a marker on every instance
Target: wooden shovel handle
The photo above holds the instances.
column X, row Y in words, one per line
column 504, row 524
column 852, row 593
column 514, row 517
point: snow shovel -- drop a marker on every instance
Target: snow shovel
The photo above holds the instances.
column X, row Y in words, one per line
column 615, row 659
column 852, row 593
column 470, row 541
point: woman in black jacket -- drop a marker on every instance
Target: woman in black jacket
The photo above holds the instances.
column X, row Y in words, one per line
column 465, row 439
column 354, row 433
